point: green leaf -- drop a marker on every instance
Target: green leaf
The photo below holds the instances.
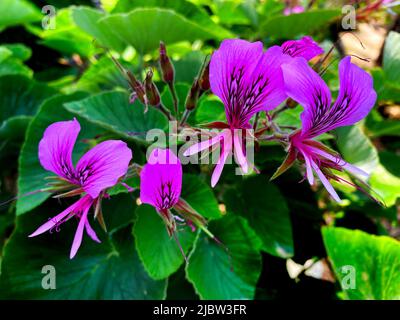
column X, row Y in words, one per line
column 377, row 126
column 356, row 148
column 113, row 111
column 159, row 253
column 386, row 185
column 288, row 27
column 87, row 19
column 31, row 174
column 373, row 260
column 210, row 109
column 66, row 37
column 186, row 9
column 152, row 25
column 102, row 75
column 17, row 12
column 218, row 274
column 261, row 203
column 19, row 50
column 107, row 270
column 20, row 95
column 391, row 57
column 14, row 128
column 200, row 196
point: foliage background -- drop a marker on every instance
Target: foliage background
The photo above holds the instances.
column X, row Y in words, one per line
column 286, row 240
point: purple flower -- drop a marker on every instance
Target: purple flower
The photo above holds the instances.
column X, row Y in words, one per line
column 247, row 80
column 160, row 187
column 98, row 169
column 355, row 100
column 306, row 47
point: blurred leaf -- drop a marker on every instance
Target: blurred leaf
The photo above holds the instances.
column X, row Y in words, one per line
column 373, row 259
column 261, row 203
column 182, row 90
column 109, row 270
column 16, row 12
column 187, row 67
column 87, row 19
column 159, row 253
column 186, row 9
column 232, row 12
column 100, row 76
column 356, row 148
column 288, row 27
column 386, row 185
column 14, row 128
column 31, row 174
column 391, row 57
column 377, row 126
column 20, row 95
column 386, row 90
column 219, row 274
column 200, row 196
column 210, row 109
column 153, row 25
column 66, row 37
column 18, row 50
column 118, row 211
column 113, row 111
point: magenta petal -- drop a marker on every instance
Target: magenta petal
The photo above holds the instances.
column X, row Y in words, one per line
column 198, row 147
column 225, row 152
column 91, row 232
column 325, row 182
column 306, row 48
column 55, row 148
column 246, row 79
column 103, row 165
column 84, row 208
column 161, row 179
column 58, row 218
column 356, row 95
column 238, row 150
column 305, row 86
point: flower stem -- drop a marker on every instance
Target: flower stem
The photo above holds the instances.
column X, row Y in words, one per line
column 171, row 87
column 185, row 116
column 165, row 111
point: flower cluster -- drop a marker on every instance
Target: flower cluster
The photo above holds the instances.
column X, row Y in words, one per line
column 250, row 82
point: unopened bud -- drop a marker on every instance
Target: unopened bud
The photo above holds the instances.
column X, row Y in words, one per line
column 167, row 69
column 204, row 80
column 152, row 94
column 193, row 96
column 138, row 89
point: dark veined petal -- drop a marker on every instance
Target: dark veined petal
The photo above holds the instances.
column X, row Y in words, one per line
column 161, row 179
column 306, row 48
column 102, row 166
column 356, row 95
column 305, row 86
column 55, row 148
column 246, row 79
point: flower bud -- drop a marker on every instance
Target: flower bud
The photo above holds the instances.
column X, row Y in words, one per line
column 193, row 96
column 204, row 80
column 167, row 69
column 152, row 94
column 138, row 89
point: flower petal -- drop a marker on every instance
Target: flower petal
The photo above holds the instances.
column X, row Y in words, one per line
column 58, row 218
column 246, row 79
column 91, row 232
column 305, row 86
column 203, row 145
column 161, row 179
column 356, row 95
column 226, row 149
column 103, row 165
column 325, row 182
column 238, row 150
column 55, row 148
column 306, row 48
column 79, row 232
